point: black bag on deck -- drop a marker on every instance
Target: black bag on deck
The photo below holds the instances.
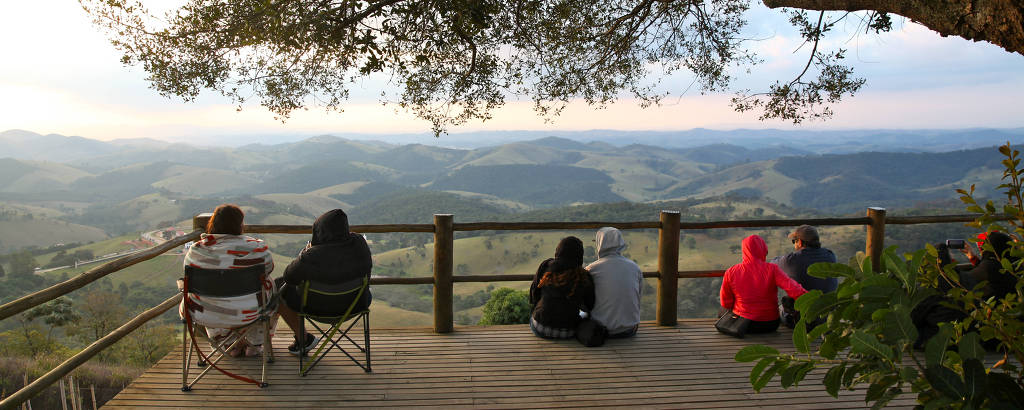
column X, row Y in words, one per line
column 788, row 313
column 590, row 333
column 732, row 324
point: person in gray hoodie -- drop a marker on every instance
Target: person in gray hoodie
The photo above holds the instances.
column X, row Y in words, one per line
column 617, row 284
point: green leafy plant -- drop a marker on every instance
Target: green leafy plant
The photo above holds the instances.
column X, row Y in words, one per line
column 867, row 336
column 506, row 307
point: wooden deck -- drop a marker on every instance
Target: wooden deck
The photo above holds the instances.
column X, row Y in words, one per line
column 689, row 366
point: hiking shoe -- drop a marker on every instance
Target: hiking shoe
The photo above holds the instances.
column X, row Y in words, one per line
column 309, row 345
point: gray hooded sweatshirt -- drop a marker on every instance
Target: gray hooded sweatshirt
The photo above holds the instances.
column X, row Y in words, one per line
column 617, row 283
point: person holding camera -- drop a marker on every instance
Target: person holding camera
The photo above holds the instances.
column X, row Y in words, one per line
column 807, row 251
column 936, row 309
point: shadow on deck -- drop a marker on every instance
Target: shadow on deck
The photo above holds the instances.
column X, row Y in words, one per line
column 689, row 366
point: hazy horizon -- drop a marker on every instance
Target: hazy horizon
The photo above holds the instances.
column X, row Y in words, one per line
column 62, row 76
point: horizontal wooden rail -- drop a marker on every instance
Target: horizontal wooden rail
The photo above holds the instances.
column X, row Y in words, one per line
column 72, row 363
column 308, row 229
column 520, row 277
column 912, row 220
column 35, row 299
column 763, row 223
column 540, row 226
column 383, row 280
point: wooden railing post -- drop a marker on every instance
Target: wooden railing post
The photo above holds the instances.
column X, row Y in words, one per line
column 668, row 267
column 200, row 220
column 876, row 237
column 444, row 247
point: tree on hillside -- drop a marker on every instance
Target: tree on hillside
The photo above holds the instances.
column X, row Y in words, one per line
column 506, row 307
column 456, row 61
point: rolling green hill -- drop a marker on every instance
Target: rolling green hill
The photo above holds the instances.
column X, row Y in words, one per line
column 20, row 230
column 199, row 181
column 35, row 176
column 543, row 185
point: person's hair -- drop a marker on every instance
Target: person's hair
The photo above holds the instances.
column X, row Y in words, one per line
column 577, row 276
column 809, row 244
column 226, row 219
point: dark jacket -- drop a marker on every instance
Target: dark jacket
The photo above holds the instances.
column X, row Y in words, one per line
column 795, row 266
column 334, row 256
column 554, row 306
column 989, row 269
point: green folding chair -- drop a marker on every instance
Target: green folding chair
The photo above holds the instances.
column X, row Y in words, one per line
column 345, row 295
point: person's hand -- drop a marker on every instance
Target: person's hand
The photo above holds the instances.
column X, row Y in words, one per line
column 968, row 251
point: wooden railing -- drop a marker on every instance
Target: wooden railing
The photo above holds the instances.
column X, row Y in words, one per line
column 669, row 226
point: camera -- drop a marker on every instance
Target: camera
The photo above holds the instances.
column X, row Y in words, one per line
column 955, row 243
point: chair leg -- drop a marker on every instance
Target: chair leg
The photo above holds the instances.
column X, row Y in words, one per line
column 186, row 356
column 267, row 355
column 366, row 338
column 300, row 340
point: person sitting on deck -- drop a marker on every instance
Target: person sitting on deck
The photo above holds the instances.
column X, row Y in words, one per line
column 617, row 284
column 561, row 289
column 807, row 251
column 334, row 255
column 224, row 247
column 936, row 309
column 749, row 288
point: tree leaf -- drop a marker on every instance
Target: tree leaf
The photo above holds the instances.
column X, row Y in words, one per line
column 974, row 378
column 936, row 346
column 866, row 344
column 755, row 372
column 828, row 349
column 970, row 347
column 804, row 302
column 833, row 379
column 789, row 375
column 800, row 337
column 1004, row 388
column 899, row 326
column 846, row 290
column 754, row 352
column 830, row 270
column 767, row 375
column 816, row 333
column 945, row 381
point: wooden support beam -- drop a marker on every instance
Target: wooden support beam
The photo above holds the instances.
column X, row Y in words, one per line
column 444, row 255
column 876, row 237
column 668, row 267
column 35, row 299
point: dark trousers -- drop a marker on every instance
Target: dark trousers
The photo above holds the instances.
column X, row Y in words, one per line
column 763, row 327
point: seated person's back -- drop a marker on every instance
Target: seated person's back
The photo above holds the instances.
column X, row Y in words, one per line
column 334, row 256
column 617, row 284
column 808, row 251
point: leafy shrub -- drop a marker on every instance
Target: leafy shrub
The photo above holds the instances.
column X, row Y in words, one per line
column 506, row 307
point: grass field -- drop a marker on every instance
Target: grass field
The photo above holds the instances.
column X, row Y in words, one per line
column 20, row 233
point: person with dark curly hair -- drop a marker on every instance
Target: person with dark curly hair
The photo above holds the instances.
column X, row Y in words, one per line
column 561, row 289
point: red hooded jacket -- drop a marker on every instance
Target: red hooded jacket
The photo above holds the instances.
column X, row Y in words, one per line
column 749, row 288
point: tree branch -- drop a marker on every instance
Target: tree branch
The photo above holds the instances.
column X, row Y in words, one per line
column 995, row 21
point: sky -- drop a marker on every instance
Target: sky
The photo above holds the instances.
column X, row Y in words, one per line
column 60, row 75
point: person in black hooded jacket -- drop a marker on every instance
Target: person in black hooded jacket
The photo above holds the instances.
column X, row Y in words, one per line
column 333, row 256
column 561, row 288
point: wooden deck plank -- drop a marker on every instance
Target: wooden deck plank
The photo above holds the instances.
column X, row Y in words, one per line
column 687, row 366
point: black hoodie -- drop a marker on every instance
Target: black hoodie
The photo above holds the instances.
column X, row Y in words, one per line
column 335, row 256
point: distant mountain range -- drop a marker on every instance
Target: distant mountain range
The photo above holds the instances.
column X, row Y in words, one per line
column 831, row 172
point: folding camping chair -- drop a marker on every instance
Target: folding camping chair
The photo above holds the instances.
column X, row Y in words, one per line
column 224, row 283
column 344, row 296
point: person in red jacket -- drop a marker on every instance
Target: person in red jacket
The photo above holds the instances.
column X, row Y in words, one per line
column 749, row 288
